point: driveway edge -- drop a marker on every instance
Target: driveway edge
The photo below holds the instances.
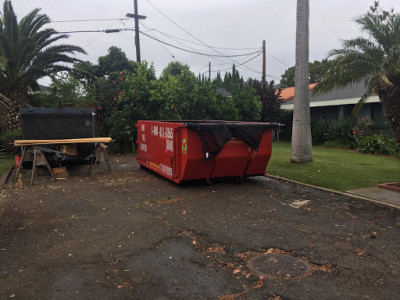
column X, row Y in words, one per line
column 4, row 177
column 334, row 191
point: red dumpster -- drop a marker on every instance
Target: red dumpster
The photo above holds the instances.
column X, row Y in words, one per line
column 188, row 150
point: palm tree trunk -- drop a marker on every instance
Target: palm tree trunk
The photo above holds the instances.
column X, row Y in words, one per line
column 12, row 115
column 301, row 133
column 390, row 99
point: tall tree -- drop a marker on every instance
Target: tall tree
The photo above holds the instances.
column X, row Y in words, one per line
column 375, row 60
column 28, row 54
column 318, row 70
column 175, row 68
column 115, row 61
column 271, row 104
column 301, row 133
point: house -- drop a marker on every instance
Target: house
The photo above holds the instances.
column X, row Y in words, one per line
column 223, row 92
column 340, row 103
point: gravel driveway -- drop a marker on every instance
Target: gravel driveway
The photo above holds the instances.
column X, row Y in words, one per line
column 132, row 234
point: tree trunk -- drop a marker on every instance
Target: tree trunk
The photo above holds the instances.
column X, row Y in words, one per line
column 13, row 118
column 390, row 99
column 301, row 133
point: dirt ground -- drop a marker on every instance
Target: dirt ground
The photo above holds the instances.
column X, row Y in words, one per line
column 132, row 234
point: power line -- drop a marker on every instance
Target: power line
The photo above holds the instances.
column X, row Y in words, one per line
column 187, row 32
column 175, row 37
column 196, row 52
column 277, row 59
column 238, row 66
column 90, row 42
column 89, row 20
column 218, row 65
column 258, row 54
column 149, row 30
column 104, row 30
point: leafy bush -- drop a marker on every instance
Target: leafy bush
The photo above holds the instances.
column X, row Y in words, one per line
column 286, row 130
column 362, row 129
column 378, row 144
column 339, row 131
column 320, row 131
column 7, row 139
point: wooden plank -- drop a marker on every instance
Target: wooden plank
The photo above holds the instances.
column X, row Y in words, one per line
column 62, row 141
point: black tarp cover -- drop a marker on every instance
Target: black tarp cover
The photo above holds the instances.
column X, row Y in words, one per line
column 215, row 134
column 57, row 123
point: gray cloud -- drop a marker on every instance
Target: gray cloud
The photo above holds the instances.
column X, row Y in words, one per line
column 223, row 23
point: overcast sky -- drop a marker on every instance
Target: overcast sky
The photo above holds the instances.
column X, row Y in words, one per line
column 238, row 24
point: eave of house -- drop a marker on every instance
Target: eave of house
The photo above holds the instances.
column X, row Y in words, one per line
column 372, row 99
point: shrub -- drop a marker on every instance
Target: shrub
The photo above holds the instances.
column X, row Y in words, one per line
column 320, row 131
column 362, row 128
column 339, row 131
column 378, row 144
column 7, row 139
column 287, row 120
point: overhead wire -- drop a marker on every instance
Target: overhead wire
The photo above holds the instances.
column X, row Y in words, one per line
column 89, row 20
column 254, row 57
column 102, row 30
column 187, row 32
column 196, row 52
column 277, row 59
column 195, row 49
column 99, row 35
column 223, row 64
column 175, row 37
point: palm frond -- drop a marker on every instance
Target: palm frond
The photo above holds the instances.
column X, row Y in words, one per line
column 29, row 49
column 371, row 84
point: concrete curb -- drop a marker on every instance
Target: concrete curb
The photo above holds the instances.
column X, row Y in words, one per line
column 4, row 177
column 335, row 192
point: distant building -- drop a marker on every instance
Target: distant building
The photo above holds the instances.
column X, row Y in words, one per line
column 223, row 92
column 339, row 103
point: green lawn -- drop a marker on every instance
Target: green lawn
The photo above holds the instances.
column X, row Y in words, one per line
column 5, row 162
column 335, row 169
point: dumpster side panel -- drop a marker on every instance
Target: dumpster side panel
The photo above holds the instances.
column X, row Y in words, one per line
column 232, row 160
column 259, row 164
column 192, row 157
column 156, row 147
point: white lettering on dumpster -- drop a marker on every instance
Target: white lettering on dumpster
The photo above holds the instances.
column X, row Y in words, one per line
column 166, row 170
column 143, row 137
column 143, row 147
column 169, row 145
column 142, row 127
column 154, row 131
column 163, row 132
column 169, row 133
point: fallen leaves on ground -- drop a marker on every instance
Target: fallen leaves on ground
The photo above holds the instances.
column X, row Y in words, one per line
column 216, row 250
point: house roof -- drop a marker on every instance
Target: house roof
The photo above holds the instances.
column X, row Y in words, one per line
column 223, row 92
column 343, row 96
column 288, row 93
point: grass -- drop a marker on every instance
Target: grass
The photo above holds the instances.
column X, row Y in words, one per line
column 5, row 162
column 335, row 169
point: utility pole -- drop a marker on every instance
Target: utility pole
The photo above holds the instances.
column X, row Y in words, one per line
column 209, row 71
column 264, row 63
column 136, row 16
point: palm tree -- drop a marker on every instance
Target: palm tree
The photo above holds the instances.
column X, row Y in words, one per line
column 28, row 52
column 375, row 60
column 301, row 134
